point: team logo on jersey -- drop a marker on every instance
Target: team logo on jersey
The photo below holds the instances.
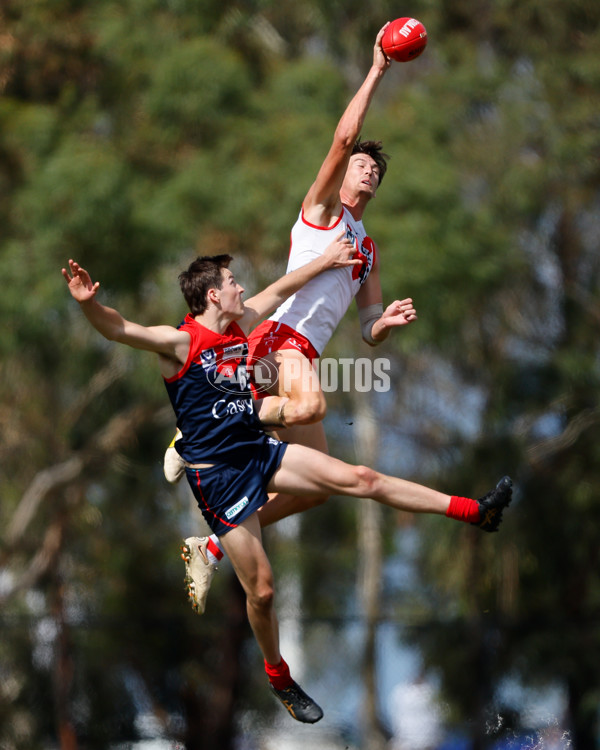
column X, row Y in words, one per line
column 228, row 372
column 224, row 365
column 230, row 376
column 234, row 377
column 365, row 252
column 208, row 359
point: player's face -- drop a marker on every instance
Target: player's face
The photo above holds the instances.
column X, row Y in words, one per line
column 362, row 175
column 230, row 295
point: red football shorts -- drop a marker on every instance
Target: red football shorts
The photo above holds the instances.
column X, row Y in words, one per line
column 271, row 336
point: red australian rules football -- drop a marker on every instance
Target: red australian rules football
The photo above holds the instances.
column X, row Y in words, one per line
column 404, row 39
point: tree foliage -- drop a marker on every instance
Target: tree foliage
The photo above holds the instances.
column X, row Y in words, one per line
column 136, row 135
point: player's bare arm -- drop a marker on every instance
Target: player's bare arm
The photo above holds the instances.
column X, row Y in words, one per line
column 322, row 203
column 338, row 254
column 369, row 299
column 398, row 313
column 170, row 344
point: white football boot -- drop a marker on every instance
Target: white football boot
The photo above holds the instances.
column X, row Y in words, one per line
column 198, row 570
column 173, row 465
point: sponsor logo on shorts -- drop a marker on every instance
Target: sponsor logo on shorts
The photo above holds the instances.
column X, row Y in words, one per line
column 235, row 509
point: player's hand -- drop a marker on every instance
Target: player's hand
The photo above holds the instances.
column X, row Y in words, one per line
column 380, row 59
column 399, row 313
column 338, row 254
column 80, row 284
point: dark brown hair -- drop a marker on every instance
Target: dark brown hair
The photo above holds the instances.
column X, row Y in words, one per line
column 372, row 149
column 202, row 274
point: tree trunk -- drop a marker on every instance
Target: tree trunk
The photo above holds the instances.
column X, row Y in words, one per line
column 210, row 725
column 369, row 575
column 63, row 665
column 583, row 712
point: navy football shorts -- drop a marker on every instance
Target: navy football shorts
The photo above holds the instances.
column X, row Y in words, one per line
column 228, row 493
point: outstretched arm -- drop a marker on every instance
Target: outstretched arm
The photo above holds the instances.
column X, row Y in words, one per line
column 338, row 254
column 376, row 323
column 323, row 198
column 164, row 340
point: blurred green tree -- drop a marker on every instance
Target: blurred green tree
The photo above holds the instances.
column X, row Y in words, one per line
column 135, row 135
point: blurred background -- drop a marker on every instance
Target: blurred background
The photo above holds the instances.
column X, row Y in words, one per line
column 135, row 135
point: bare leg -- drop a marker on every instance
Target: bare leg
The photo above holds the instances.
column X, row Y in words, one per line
column 280, row 504
column 306, row 471
column 244, row 548
column 298, row 382
column 299, row 391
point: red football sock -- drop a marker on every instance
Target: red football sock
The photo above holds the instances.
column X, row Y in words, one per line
column 278, row 674
column 463, row 509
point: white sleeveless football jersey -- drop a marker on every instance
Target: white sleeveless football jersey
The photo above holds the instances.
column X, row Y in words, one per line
column 317, row 308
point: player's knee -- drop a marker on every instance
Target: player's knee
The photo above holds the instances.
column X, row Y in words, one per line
column 261, row 598
column 309, row 409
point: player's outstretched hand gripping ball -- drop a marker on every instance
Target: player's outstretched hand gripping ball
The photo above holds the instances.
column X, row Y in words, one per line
column 404, row 39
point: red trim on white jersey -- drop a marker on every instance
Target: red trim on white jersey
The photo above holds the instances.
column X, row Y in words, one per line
column 317, row 308
column 320, row 226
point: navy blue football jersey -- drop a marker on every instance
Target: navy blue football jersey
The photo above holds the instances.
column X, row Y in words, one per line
column 211, row 396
